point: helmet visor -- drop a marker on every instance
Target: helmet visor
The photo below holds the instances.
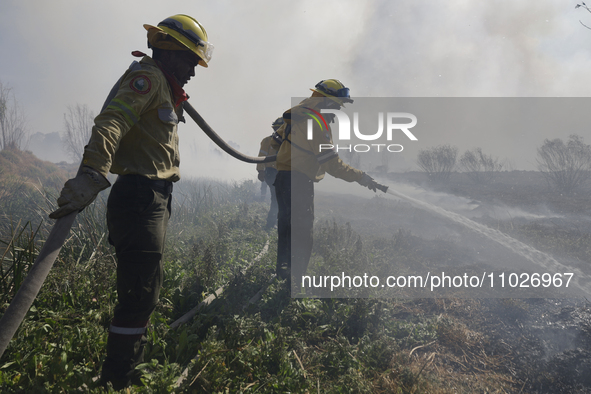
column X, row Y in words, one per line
column 207, row 50
column 177, row 26
column 342, row 93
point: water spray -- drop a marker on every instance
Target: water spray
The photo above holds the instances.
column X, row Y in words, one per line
column 533, row 255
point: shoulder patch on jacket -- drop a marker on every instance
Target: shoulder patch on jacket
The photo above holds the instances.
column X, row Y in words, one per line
column 141, row 84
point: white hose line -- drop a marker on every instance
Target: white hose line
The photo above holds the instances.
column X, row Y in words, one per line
column 187, row 316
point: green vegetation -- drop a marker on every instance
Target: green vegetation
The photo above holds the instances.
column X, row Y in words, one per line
column 276, row 345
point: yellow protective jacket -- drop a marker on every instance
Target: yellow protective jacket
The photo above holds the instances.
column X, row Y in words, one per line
column 136, row 132
column 266, row 150
column 297, row 153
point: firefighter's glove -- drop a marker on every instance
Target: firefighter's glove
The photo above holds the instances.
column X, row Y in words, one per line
column 371, row 184
column 79, row 192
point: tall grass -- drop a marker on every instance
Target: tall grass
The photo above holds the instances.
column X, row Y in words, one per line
column 18, row 254
column 195, row 197
column 60, row 344
column 278, row 344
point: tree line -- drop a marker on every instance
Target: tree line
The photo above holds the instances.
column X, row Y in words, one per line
column 566, row 166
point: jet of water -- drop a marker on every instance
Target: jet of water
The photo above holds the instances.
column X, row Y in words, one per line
column 535, row 256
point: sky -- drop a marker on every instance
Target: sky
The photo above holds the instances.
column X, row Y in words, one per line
column 68, row 52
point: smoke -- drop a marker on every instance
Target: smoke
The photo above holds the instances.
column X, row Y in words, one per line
column 266, row 52
column 463, row 48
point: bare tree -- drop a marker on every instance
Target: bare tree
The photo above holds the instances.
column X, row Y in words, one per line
column 438, row 162
column 479, row 166
column 78, row 122
column 13, row 132
column 583, row 5
column 565, row 166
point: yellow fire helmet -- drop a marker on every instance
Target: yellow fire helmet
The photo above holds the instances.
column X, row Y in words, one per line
column 333, row 89
column 184, row 29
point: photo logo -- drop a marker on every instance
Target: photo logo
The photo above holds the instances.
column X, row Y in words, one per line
column 392, row 121
column 317, row 116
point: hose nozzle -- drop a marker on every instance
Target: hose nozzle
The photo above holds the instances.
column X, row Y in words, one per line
column 381, row 187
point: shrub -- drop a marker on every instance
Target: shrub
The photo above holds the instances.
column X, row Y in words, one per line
column 438, row 162
column 479, row 166
column 566, row 166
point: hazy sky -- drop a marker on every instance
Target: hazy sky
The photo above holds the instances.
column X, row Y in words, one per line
column 66, row 52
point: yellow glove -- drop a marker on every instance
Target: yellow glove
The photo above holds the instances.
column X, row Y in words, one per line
column 79, row 192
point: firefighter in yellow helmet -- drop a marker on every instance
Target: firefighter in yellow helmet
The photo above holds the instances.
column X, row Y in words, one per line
column 268, row 171
column 301, row 163
column 135, row 137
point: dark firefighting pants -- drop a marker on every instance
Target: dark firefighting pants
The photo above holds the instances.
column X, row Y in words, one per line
column 138, row 210
column 295, row 200
column 270, row 174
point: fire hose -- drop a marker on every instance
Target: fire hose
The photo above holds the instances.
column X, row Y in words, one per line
column 26, row 294
column 220, row 142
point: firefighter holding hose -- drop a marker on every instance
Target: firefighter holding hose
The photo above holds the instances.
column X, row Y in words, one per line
column 135, row 136
column 301, row 163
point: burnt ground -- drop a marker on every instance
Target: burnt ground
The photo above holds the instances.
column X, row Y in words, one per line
column 539, row 345
column 547, row 342
column 551, row 337
column 526, row 345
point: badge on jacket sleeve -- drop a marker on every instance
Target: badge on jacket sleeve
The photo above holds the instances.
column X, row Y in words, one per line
column 141, row 84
